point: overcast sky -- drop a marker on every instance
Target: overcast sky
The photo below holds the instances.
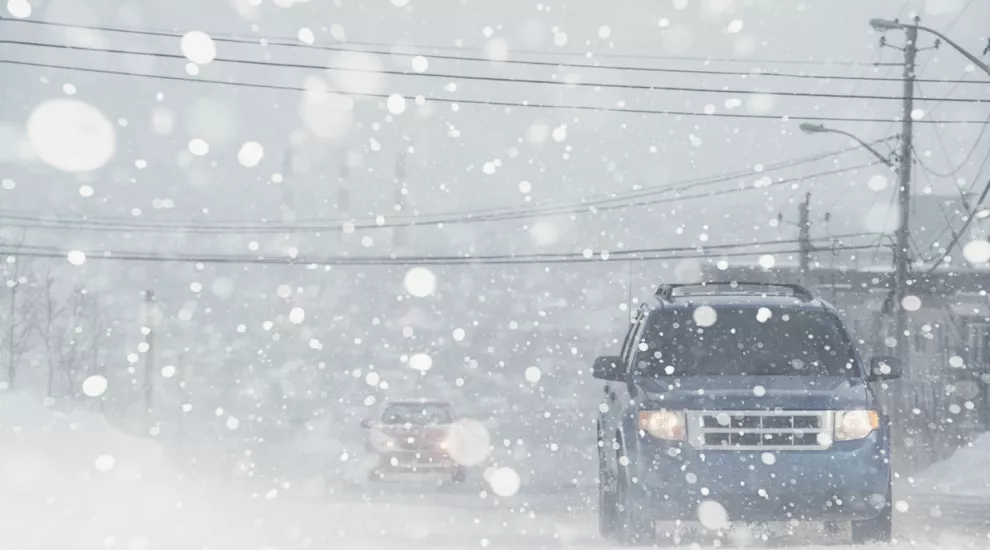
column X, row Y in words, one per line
column 563, row 154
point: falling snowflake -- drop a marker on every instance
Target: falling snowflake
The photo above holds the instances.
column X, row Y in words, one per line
column 250, row 154
column 76, row 257
column 705, row 316
column 105, row 463
column 420, row 64
column 297, row 315
column 94, row 386
column 396, row 104
column 420, row 282
column 198, row 47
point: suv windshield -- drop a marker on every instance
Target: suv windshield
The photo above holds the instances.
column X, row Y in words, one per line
column 416, row 413
column 744, row 341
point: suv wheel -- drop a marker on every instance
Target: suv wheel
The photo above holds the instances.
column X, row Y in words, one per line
column 878, row 529
column 607, row 509
column 631, row 529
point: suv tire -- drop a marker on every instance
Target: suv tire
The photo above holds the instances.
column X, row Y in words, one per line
column 607, row 508
column 630, row 527
column 878, row 529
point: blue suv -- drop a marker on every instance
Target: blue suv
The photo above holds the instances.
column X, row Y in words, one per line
column 741, row 402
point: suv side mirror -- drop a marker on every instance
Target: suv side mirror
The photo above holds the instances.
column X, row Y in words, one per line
column 366, row 423
column 884, row 368
column 609, row 367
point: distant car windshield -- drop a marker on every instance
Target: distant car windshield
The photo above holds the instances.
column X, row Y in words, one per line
column 706, row 341
column 416, row 413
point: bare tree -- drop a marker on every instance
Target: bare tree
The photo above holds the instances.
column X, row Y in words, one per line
column 97, row 330
column 59, row 327
column 17, row 315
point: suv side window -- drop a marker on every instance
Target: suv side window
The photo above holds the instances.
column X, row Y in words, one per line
column 629, row 335
column 632, row 337
column 634, row 344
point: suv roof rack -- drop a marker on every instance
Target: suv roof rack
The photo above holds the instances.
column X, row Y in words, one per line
column 666, row 292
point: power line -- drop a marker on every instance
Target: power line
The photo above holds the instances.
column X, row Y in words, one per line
column 964, row 202
column 879, row 241
column 281, row 42
column 928, row 171
column 945, row 152
column 347, row 46
column 969, row 191
column 126, row 226
column 983, row 166
column 448, row 76
column 584, row 202
column 932, row 109
column 845, row 189
column 951, row 91
column 962, row 230
column 363, row 44
column 958, row 16
column 604, row 254
column 510, row 215
column 523, row 104
column 39, row 252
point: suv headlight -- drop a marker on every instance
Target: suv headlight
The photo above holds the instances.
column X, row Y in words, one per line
column 850, row 425
column 663, row 424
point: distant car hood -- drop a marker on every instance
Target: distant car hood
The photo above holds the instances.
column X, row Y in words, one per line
column 756, row 392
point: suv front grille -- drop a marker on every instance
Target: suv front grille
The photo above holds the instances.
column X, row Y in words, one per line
column 760, row 430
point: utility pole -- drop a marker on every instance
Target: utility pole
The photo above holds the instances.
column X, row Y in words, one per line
column 804, row 237
column 180, row 371
column 149, row 356
column 343, row 193
column 902, row 260
column 399, row 235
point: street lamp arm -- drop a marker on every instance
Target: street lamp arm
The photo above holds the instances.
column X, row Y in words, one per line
column 883, row 158
column 976, row 61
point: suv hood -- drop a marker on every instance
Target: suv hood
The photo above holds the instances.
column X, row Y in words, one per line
column 756, row 392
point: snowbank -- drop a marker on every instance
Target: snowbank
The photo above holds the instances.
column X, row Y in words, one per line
column 43, row 448
column 965, row 473
column 69, row 480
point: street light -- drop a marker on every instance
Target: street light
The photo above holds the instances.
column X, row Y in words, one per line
column 885, row 25
column 882, row 25
column 809, row 128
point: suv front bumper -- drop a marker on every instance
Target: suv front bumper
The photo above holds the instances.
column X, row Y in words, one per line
column 848, row 481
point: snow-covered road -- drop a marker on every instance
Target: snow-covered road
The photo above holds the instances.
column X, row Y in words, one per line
column 430, row 518
column 70, row 481
column 147, row 516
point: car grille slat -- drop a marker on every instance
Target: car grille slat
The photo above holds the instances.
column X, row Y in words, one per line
column 760, row 430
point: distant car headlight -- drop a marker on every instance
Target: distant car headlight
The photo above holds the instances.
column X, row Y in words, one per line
column 381, row 442
column 850, row 425
column 667, row 425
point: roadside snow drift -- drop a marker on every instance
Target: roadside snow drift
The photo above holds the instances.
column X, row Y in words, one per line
column 69, row 480
column 72, row 481
column 965, row 473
